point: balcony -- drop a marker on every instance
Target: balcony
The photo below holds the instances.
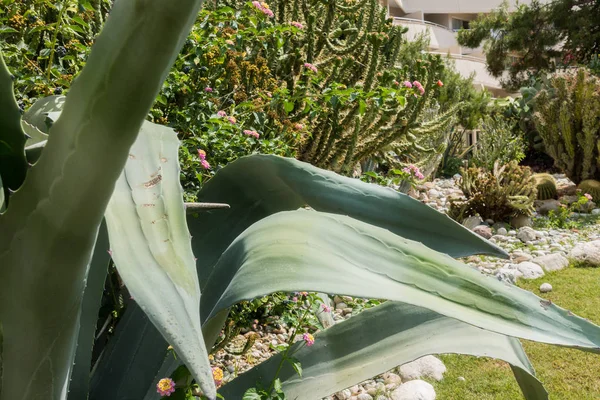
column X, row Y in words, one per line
column 443, row 41
column 452, row 6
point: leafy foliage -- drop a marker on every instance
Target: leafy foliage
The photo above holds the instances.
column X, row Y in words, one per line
column 566, row 117
column 504, row 192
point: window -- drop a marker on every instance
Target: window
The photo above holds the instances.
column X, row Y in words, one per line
column 459, row 23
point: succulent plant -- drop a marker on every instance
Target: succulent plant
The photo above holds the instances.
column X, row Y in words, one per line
column 506, row 191
column 546, row 186
column 592, row 187
column 104, row 184
column 566, row 117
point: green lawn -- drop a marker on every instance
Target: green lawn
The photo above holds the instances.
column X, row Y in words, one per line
column 567, row 374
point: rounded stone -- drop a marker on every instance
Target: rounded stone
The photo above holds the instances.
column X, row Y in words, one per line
column 545, row 288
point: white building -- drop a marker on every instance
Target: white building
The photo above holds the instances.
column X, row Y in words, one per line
column 441, row 19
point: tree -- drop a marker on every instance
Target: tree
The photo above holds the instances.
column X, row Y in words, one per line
column 536, row 37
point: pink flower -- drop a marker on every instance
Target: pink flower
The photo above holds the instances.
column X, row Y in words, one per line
column 294, row 299
column 264, row 8
column 221, row 113
column 407, row 84
column 208, row 89
column 297, row 24
column 417, row 84
column 298, row 127
column 395, row 83
column 205, row 164
column 229, row 42
column 232, row 120
column 325, row 308
column 308, row 339
column 439, row 83
column 588, row 196
column 202, row 154
column 414, row 171
column 311, row 67
column 251, row 133
column 165, row 387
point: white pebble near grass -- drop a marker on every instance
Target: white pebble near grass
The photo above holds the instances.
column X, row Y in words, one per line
column 545, row 288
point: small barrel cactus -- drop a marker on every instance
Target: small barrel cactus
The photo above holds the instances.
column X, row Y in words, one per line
column 592, row 187
column 546, row 186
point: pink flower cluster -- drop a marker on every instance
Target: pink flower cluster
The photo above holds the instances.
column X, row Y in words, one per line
column 311, row 67
column 221, row 114
column 251, row 133
column 208, row 89
column 325, row 308
column 588, row 196
column 165, row 387
column 419, row 87
column 232, row 120
column 308, row 339
column 297, row 24
column 407, row 84
column 264, row 8
column 413, row 170
column 203, row 162
column 298, row 127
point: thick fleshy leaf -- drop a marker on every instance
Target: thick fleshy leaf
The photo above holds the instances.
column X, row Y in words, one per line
column 44, row 112
column 260, row 185
column 13, row 166
column 312, row 251
column 47, row 235
column 2, row 197
column 92, row 298
column 376, row 341
column 151, row 246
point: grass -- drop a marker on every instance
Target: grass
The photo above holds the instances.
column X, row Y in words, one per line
column 567, row 374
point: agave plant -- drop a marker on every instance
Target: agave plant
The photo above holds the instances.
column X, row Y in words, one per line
column 100, row 161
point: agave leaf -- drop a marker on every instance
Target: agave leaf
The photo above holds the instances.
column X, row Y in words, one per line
column 376, row 341
column 35, row 136
column 2, row 197
column 58, row 209
column 44, row 112
column 12, row 140
column 152, row 249
column 307, row 250
column 92, row 298
column 261, row 185
column 256, row 187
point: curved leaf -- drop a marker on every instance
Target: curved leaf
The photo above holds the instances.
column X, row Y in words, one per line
column 307, row 250
column 39, row 113
column 59, row 207
column 151, row 246
column 13, row 166
column 260, row 185
column 94, row 285
column 376, row 341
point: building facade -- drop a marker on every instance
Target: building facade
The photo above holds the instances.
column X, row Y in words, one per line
column 440, row 20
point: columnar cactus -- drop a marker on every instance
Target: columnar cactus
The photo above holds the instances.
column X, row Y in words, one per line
column 566, row 117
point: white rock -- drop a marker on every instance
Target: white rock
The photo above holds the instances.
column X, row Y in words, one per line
column 588, row 253
column 414, row 390
column 530, row 270
column 364, row 396
column 341, row 306
column 472, row 222
column 527, row 234
column 344, row 394
column 596, row 211
column 424, row 367
column 545, row 288
column 461, row 378
column 552, row 262
column 433, row 193
column 502, row 231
